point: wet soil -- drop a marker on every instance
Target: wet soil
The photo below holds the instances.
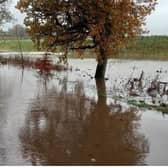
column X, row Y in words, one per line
column 68, row 118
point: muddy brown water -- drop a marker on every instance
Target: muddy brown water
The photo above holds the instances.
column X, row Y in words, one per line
column 70, row 119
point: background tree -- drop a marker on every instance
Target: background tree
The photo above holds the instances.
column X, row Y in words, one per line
column 102, row 25
column 18, row 30
column 4, row 12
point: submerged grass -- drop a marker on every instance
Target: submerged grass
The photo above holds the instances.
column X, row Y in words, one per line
column 141, row 104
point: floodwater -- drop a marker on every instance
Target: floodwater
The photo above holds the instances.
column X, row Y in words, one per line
column 68, row 118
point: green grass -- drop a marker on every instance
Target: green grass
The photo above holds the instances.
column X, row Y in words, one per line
column 13, row 45
column 150, row 47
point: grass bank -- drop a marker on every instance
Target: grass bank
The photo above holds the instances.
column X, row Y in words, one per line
column 13, row 45
column 150, row 47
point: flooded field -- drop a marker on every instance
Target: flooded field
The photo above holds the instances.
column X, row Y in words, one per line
column 68, row 118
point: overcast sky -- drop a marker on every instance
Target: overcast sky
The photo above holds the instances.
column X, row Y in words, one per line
column 156, row 23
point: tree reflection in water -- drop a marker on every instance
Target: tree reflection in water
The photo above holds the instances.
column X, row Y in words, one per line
column 64, row 127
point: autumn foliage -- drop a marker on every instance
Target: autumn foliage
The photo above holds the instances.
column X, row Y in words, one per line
column 102, row 25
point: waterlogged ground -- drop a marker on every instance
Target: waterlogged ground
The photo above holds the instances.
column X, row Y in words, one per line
column 69, row 118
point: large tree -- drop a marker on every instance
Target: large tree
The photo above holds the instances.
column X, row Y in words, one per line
column 4, row 12
column 102, row 25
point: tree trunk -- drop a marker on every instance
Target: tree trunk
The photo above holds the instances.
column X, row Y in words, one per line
column 101, row 92
column 101, row 67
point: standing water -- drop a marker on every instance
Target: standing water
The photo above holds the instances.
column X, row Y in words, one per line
column 68, row 118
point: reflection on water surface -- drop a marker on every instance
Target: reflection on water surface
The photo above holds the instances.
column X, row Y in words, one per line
column 67, row 119
column 68, row 128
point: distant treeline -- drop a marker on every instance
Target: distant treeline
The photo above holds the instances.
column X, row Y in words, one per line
column 15, row 32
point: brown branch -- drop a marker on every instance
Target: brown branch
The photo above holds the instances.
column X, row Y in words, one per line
column 84, row 47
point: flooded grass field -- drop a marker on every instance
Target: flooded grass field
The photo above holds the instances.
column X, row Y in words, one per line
column 68, row 118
